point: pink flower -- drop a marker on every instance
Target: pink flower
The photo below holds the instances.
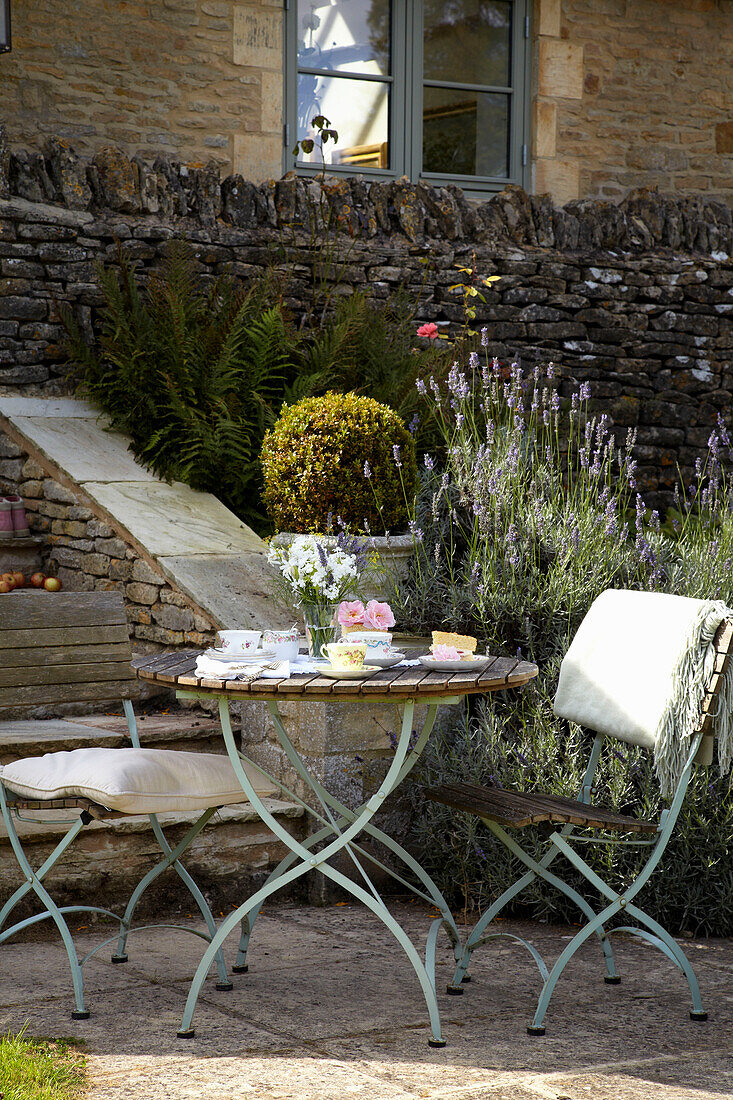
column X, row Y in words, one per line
column 378, row 616
column 445, row 653
column 429, row 329
column 351, row 613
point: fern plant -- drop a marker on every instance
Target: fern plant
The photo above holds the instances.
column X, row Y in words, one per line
column 194, row 372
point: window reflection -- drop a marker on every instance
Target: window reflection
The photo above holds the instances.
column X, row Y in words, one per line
column 358, row 109
column 465, row 133
column 467, row 41
column 344, row 36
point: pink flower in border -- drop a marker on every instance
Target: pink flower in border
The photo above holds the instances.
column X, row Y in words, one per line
column 350, row 613
column 429, row 329
column 445, row 653
column 378, row 616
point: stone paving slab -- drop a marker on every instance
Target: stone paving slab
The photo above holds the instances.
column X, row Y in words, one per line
column 201, row 546
column 84, row 447
column 329, row 1009
column 174, row 519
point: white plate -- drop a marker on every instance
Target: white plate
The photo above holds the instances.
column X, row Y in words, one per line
column 240, row 658
column 387, row 660
column 347, row 673
column 472, row 665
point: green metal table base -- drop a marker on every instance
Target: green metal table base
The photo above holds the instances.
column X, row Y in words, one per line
column 34, row 883
column 559, row 843
column 344, row 826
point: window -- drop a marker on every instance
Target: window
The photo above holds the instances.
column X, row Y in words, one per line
column 431, row 89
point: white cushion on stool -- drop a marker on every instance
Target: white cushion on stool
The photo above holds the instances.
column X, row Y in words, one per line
column 134, row 781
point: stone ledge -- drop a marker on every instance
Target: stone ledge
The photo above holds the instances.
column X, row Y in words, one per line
column 29, row 832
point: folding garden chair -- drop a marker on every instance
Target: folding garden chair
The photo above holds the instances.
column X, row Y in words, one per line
column 74, row 647
column 696, row 664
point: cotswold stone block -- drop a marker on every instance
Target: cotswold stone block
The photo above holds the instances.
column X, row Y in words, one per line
column 141, row 571
column 57, row 493
column 141, row 593
column 174, row 618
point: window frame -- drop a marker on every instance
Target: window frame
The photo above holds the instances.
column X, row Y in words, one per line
column 405, row 116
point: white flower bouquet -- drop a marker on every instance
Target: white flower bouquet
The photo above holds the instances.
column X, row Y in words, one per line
column 316, row 576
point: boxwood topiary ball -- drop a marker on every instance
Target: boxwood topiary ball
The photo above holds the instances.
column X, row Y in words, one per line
column 314, row 461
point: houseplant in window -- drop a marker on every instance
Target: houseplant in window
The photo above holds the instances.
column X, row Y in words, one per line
column 346, row 462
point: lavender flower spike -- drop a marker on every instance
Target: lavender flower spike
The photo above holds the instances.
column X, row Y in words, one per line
column 367, row 470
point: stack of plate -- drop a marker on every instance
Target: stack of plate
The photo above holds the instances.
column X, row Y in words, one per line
column 228, row 658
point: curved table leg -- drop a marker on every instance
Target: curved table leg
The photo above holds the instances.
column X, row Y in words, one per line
column 434, row 895
column 319, row 861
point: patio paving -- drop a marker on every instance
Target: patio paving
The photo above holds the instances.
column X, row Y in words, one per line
column 330, row 1009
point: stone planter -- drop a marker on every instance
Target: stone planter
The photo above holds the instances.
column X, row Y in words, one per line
column 393, row 557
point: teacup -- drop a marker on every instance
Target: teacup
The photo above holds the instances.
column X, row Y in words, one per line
column 344, row 655
column 239, row 641
column 378, row 642
column 284, row 643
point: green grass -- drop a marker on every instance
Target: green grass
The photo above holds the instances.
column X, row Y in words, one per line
column 40, row 1069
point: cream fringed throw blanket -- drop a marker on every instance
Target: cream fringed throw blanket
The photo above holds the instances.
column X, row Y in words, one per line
column 637, row 670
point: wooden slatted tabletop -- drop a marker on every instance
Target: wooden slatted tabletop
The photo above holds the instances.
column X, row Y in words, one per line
column 178, row 670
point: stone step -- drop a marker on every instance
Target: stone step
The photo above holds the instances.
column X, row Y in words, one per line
column 228, row 859
column 34, row 737
column 56, row 822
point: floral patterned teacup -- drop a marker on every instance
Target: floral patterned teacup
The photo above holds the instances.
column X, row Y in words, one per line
column 239, row 641
column 378, row 642
column 284, row 643
column 344, row 655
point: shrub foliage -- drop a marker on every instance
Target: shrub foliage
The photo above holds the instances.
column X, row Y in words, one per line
column 316, row 457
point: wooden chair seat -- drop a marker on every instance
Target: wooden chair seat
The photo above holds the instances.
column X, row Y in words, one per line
column 516, row 809
column 99, row 813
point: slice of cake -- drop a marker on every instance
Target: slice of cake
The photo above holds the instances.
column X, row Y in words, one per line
column 463, row 642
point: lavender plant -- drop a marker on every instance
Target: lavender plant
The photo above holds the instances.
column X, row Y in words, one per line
column 533, row 513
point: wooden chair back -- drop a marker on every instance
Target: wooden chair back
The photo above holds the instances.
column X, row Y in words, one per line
column 723, row 643
column 63, row 647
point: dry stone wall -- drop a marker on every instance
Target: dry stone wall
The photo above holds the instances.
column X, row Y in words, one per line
column 88, row 555
column 637, row 298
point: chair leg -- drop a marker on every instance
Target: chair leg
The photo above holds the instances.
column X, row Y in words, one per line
column 33, row 882
column 537, row 1026
column 537, row 869
column 697, row 1012
column 172, row 859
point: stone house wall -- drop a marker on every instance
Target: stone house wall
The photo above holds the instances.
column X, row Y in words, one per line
column 88, row 554
column 197, row 79
column 633, row 93
column 625, row 93
column 636, row 298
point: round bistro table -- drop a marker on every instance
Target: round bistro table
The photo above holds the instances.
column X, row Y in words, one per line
column 339, row 826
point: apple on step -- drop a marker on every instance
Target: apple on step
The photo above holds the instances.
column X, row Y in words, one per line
column 37, row 580
column 52, row 584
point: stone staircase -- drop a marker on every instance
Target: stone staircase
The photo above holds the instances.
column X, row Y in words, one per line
column 228, row 859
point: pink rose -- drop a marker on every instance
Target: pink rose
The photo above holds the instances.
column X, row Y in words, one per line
column 378, row 616
column 350, row 613
column 429, row 329
column 445, row 653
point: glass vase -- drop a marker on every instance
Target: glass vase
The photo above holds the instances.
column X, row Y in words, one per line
column 319, row 626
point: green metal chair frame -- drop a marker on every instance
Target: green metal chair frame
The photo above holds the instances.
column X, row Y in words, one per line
column 72, row 648
column 499, row 809
column 13, row 808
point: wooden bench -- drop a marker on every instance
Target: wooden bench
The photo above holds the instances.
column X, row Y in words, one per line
column 59, row 648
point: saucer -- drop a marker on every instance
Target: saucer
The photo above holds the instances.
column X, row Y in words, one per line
column 348, row 673
column 470, row 665
column 386, row 660
column 240, row 658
